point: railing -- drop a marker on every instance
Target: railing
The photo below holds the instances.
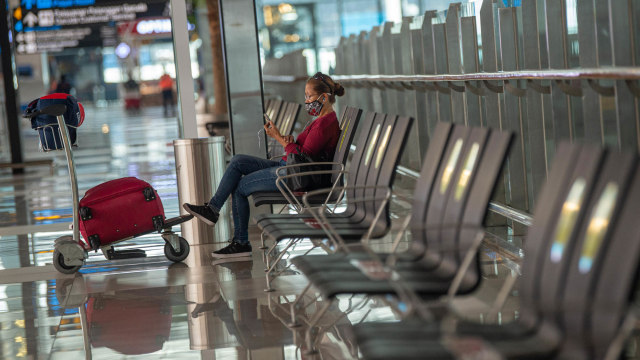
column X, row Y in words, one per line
column 625, row 73
column 545, row 70
column 548, row 70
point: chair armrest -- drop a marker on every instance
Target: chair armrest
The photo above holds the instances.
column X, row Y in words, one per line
column 280, row 168
column 322, row 220
column 289, row 194
column 350, row 187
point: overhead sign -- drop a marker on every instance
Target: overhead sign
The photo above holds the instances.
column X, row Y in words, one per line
column 148, row 28
column 52, row 25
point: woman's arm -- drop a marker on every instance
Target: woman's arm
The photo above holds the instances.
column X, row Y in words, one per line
column 272, row 131
column 282, row 140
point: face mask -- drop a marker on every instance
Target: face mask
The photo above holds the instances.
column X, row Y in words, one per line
column 313, row 108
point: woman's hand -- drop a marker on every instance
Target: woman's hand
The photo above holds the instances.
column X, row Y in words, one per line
column 289, row 139
column 271, row 130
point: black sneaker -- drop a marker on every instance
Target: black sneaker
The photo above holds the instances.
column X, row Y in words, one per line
column 204, row 213
column 235, row 249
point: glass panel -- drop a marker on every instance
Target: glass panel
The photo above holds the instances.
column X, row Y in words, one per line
column 5, row 153
column 466, row 172
column 598, row 226
column 568, row 217
column 451, row 165
column 383, row 146
column 371, row 144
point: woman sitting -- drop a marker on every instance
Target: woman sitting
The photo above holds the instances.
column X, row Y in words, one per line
column 249, row 174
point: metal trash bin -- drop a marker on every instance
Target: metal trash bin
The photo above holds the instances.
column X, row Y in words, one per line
column 200, row 164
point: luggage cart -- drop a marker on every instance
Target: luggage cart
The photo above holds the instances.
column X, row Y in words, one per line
column 70, row 251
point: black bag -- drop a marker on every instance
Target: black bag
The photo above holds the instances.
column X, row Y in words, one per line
column 307, row 182
column 47, row 125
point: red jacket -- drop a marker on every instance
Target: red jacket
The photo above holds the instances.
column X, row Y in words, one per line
column 319, row 137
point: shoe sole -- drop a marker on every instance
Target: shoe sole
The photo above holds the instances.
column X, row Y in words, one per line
column 200, row 217
column 231, row 256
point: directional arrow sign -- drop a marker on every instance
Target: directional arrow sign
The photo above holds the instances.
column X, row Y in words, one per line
column 30, row 20
column 28, row 4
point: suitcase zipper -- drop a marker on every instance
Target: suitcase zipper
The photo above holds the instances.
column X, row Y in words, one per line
column 113, row 196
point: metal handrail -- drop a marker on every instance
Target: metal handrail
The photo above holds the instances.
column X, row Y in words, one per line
column 283, row 78
column 514, row 214
column 508, row 212
column 626, row 73
column 560, row 74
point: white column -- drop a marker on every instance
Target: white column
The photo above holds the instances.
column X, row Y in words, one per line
column 184, row 79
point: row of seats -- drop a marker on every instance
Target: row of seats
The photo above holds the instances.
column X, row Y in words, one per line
column 580, row 255
column 284, row 115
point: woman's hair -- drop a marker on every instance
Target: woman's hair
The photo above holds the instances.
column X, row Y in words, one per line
column 322, row 83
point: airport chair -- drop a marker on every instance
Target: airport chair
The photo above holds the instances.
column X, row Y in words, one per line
column 274, row 108
column 549, row 205
column 450, row 201
column 439, row 205
column 285, row 123
column 267, row 105
column 292, row 111
column 373, row 178
column 566, row 251
column 374, row 166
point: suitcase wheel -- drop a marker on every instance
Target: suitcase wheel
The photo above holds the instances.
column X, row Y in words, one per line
column 174, row 256
column 58, row 263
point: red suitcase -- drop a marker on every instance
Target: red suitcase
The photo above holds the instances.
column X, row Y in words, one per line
column 112, row 323
column 131, row 103
column 119, row 209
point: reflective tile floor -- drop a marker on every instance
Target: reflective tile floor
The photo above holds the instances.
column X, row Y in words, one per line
column 150, row 307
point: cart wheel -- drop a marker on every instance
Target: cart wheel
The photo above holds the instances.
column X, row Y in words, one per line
column 58, row 263
column 177, row 256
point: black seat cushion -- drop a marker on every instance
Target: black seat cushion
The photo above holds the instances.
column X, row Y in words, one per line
column 374, row 331
column 276, row 198
column 542, row 344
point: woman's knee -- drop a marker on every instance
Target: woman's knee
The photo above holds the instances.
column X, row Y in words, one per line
column 235, row 159
column 239, row 159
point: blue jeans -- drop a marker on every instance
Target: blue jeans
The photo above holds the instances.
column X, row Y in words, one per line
column 245, row 175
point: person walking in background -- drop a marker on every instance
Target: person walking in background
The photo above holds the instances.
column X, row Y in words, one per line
column 62, row 86
column 166, row 86
column 131, row 94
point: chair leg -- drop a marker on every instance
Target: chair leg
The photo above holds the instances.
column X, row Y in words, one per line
column 268, row 256
column 275, row 263
column 263, row 246
column 295, row 305
column 309, row 336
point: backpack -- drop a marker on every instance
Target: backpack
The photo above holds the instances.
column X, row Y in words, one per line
column 47, row 125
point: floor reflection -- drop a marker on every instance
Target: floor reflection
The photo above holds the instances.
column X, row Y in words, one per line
column 113, row 315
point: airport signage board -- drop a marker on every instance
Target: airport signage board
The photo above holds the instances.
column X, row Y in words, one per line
column 53, row 25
